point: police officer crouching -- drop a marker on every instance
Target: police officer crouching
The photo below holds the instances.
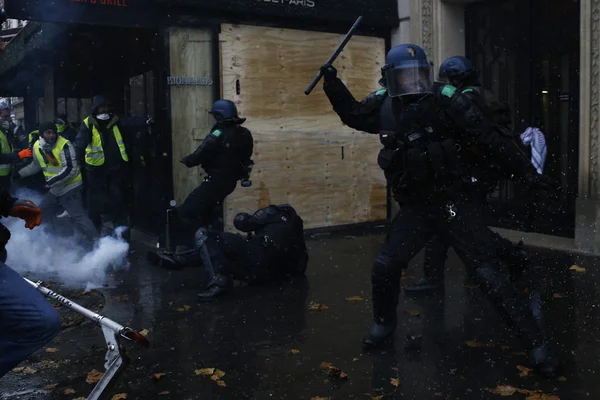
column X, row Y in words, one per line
column 274, row 249
column 225, row 155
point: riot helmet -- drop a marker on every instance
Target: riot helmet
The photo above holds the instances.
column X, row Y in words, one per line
column 407, row 71
column 225, row 111
column 457, row 71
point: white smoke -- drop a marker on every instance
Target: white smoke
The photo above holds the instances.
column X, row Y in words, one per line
column 38, row 254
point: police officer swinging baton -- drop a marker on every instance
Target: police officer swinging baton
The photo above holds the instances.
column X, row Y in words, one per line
column 335, row 55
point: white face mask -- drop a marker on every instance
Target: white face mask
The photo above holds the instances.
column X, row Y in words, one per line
column 102, row 117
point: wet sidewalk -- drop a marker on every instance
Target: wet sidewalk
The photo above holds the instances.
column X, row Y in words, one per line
column 301, row 339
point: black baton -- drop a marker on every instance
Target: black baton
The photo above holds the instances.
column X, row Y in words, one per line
column 335, row 55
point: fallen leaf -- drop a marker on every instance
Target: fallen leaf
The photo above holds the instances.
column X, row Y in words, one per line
column 94, row 376
column 354, row 298
column 158, row 375
column 144, row 332
column 164, row 392
column 412, row 313
column 542, row 396
column 474, row 343
column 25, row 370
column 343, row 376
column 504, row 390
column 205, row 371
column 18, row 369
column 438, row 394
column 576, row 268
column 559, row 295
column 294, row 351
column 69, row 391
column 217, row 375
column 375, row 397
column 119, row 396
column 326, row 365
column 316, row 306
column 524, row 370
column 562, row 379
column 50, row 350
column 221, row 383
column 320, row 398
column 121, row 298
column 452, row 371
column 395, row 382
column 50, row 387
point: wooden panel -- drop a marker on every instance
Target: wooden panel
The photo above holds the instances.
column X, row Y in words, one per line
column 304, row 155
column 191, row 56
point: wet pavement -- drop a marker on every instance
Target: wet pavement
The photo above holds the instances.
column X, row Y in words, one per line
column 301, row 339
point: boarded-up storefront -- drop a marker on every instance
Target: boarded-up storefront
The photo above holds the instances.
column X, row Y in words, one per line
column 304, row 155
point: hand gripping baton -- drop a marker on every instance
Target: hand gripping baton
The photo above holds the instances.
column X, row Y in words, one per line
column 335, row 55
column 111, row 330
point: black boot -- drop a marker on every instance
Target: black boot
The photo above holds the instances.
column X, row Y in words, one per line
column 523, row 316
column 423, row 285
column 379, row 335
column 436, row 252
column 218, row 285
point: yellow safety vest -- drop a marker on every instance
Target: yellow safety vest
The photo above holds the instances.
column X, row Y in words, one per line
column 51, row 170
column 94, row 154
column 6, row 149
column 32, row 138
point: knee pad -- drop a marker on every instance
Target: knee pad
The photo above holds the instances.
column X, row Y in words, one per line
column 385, row 269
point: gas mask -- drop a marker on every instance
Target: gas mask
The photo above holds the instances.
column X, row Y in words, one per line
column 103, row 117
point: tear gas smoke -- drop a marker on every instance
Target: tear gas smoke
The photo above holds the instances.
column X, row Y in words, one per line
column 38, row 254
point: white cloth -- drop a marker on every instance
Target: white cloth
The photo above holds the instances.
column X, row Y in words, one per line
column 535, row 138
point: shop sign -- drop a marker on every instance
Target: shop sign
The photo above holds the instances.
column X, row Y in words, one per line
column 188, row 81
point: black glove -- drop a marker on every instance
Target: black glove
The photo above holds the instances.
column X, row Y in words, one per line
column 537, row 181
column 187, row 161
column 329, row 72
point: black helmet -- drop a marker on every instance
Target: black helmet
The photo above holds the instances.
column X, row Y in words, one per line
column 458, row 71
column 407, row 71
column 225, row 111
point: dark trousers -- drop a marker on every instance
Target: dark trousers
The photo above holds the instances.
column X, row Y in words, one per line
column 107, row 191
column 473, row 241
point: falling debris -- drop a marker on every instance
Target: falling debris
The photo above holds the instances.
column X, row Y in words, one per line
column 69, row 391
column 576, row 268
column 184, row 308
column 158, row 375
column 524, row 370
column 316, row 306
column 50, row 387
column 119, row 396
column 94, row 376
column 50, row 350
column 413, row 313
column 474, row 343
column 559, row 295
column 354, row 298
column 144, row 332
column 294, row 351
column 395, row 382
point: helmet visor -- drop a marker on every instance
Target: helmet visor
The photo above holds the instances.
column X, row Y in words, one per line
column 409, row 78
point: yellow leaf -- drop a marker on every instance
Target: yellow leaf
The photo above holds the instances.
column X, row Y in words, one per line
column 164, row 392
column 576, row 268
column 354, row 298
column 542, row 396
column 221, row 383
column 144, row 332
column 205, row 371
column 412, row 313
column 217, row 375
column 50, row 350
column 326, row 365
column 524, row 370
column 452, row 371
column 158, row 375
column 119, row 396
column 50, row 387
column 395, row 382
column 562, row 379
column 504, row 390
column 94, row 376
column 316, row 306
column 69, row 391
column 29, row 371
column 294, row 351
column 343, row 376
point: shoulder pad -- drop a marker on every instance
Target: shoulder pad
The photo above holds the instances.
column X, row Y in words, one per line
column 381, row 92
column 216, row 133
column 448, row 91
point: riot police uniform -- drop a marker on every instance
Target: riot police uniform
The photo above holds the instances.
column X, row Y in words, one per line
column 457, row 73
column 225, row 155
column 425, row 138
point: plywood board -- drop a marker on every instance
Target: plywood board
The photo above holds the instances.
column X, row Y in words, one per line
column 304, row 155
column 190, row 56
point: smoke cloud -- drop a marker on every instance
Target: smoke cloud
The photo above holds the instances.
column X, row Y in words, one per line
column 38, row 254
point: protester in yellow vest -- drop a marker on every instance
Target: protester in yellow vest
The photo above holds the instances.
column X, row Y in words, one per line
column 101, row 143
column 8, row 157
column 55, row 156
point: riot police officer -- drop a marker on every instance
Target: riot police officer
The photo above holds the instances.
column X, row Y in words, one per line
column 225, row 155
column 457, row 73
column 425, row 137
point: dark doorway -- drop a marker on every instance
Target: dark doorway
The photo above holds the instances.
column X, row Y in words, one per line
column 528, row 54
